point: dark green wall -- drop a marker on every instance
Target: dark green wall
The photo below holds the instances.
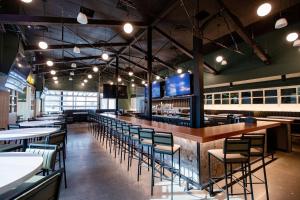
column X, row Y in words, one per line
column 284, row 59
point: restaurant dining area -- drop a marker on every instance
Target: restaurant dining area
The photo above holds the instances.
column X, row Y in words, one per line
column 149, row 99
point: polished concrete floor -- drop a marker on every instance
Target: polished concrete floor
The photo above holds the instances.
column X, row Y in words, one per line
column 94, row 174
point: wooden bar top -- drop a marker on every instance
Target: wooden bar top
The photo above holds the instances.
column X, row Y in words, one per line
column 201, row 135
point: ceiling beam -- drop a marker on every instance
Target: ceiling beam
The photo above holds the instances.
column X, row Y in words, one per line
column 167, row 9
column 69, row 59
column 71, row 46
column 169, row 66
column 47, row 20
column 241, row 30
column 184, row 50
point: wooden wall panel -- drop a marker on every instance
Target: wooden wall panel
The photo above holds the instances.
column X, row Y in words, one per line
column 4, row 108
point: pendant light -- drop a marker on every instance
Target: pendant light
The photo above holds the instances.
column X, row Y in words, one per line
column 128, row 28
column 82, row 18
column 76, row 49
column 291, row 37
column 264, row 9
column 95, row 69
column 90, row 76
column 50, row 63
column 281, row 23
column 73, row 65
column 219, row 59
column 43, row 45
column 70, row 78
column 26, row 1
column 71, row 73
column 104, row 56
column 52, row 72
column 296, row 43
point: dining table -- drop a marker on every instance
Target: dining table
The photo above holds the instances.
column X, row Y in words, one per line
column 25, row 134
column 42, row 123
column 16, row 168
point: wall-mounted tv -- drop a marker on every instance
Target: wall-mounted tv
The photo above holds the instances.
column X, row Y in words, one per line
column 156, row 90
column 179, row 85
column 109, row 91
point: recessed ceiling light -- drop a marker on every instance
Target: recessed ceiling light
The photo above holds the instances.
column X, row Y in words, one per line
column 85, row 80
column 291, row 37
column 128, row 28
column 26, row 1
column 53, row 72
column 179, row 70
column 43, row 45
column 54, row 78
column 90, row 76
column 219, row 59
column 50, row 63
column 82, row 18
column 95, row 69
column 264, row 9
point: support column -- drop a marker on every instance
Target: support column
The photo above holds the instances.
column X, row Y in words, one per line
column 197, row 106
column 149, row 72
column 117, row 84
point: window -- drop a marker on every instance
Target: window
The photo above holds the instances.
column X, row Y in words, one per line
column 257, row 97
column 208, row 99
column 271, row 96
column 225, row 98
column 107, row 103
column 288, row 95
column 246, row 97
column 217, row 98
column 234, row 98
column 56, row 100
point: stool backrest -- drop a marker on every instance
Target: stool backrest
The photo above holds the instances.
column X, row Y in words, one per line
column 163, row 138
column 134, row 130
column 146, row 134
column 237, row 146
column 257, row 141
column 57, row 138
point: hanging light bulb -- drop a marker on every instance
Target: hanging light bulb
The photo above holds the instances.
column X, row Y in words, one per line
column 281, row 23
column 219, row 59
column 132, row 80
column 157, row 77
column 264, row 9
column 95, row 69
column 53, row 72
column 82, row 18
column 82, row 84
column 296, row 43
column 128, row 28
column 291, row 37
column 111, row 83
column 43, row 45
column 132, row 85
column 76, row 49
column 179, row 71
column 130, row 73
column 119, row 79
column 72, row 73
column 73, row 65
column 85, row 80
column 54, row 78
column 56, row 82
column 90, row 76
column 50, row 63
column 70, row 79
column 104, row 56
column 26, row 1
column 143, row 82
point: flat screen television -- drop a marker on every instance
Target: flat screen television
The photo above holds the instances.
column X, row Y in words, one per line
column 156, row 90
column 109, row 91
column 179, row 85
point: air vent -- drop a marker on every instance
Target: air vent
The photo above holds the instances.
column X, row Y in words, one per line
column 201, row 15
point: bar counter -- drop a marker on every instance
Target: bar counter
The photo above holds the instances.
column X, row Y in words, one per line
column 195, row 142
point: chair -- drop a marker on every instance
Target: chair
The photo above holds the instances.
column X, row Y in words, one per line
column 58, row 139
column 235, row 151
column 13, row 126
column 46, row 188
column 163, row 144
column 257, row 150
column 132, row 142
column 48, row 152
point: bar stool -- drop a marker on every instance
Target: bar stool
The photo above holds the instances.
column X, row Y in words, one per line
column 124, row 140
column 257, row 150
column 235, row 151
column 133, row 142
column 163, row 144
column 145, row 141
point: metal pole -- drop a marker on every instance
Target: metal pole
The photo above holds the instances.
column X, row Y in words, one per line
column 149, row 73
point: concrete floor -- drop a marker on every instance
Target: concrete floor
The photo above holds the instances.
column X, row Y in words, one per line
column 94, row 174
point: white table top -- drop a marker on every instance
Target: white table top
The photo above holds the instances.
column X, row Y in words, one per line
column 17, row 167
column 38, row 123
column 48, row 118
column 25, row 133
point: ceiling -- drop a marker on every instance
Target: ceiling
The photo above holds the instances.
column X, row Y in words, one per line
column 175, row 18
